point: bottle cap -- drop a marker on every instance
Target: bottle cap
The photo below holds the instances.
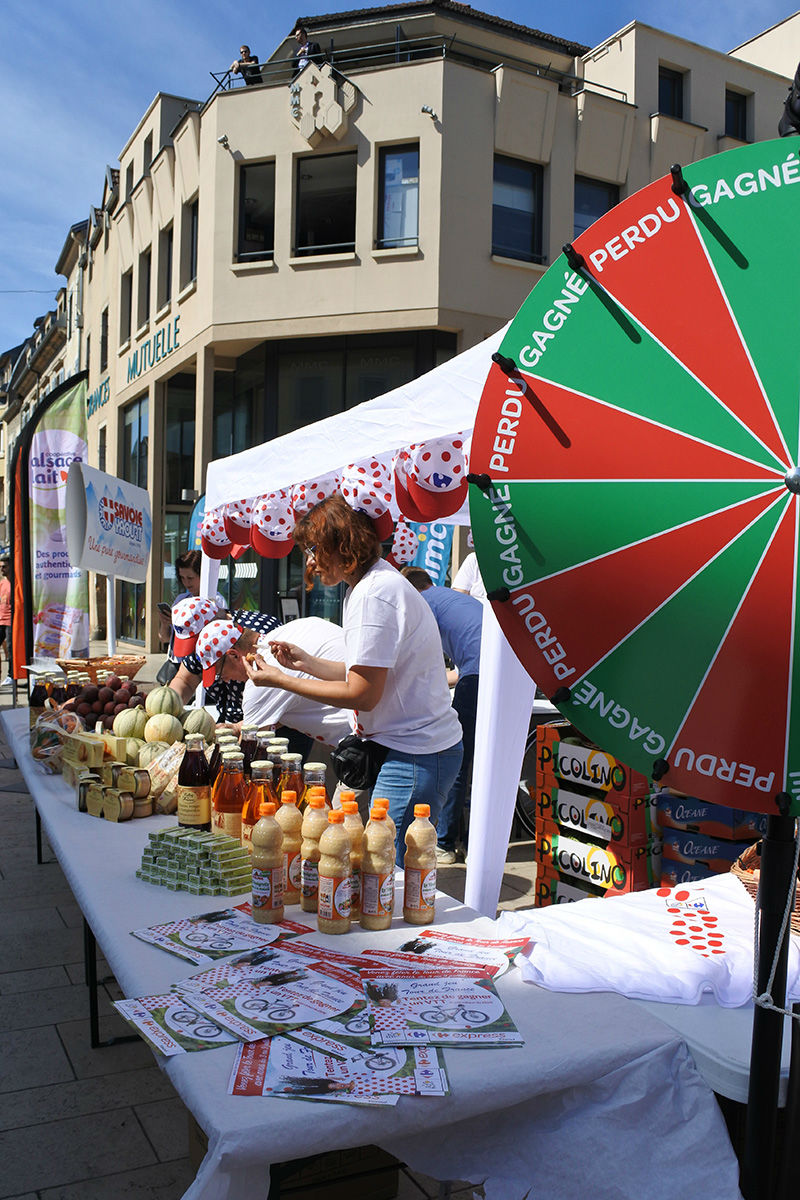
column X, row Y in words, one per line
column 313, row 766
column 347, row 796
column 349, row 806
column 261, row 764
column 381, row 802
column 422, row 810
column 316, row 801
column 232, row 756
column 266, row 809
column 335, row 816
column 377, row 814
column 193, row 737
column 288, row 797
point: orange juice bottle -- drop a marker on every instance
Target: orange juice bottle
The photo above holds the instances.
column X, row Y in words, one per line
column 259, row 791
column 290, row 820
column 315, row 822
column 333, row 912
column 377, row 873
column 267, row 868
column 228, row 796
column 291, row 776
column 419, row 865
column 354, row 826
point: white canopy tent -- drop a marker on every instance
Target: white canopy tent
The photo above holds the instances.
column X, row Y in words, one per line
column 442, row 403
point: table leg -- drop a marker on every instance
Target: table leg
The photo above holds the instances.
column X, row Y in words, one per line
column 90, row 974
column 39, row 858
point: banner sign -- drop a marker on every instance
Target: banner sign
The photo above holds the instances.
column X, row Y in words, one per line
column 198, row 512
column 435, row 543
column 59, row 590
column 109, row 525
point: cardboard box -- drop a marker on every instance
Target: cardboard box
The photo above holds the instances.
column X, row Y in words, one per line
column 84, row 750
column 673, row 873
column 678, row 811
column 692, row 849
column 554, row 888
column 577, row 763
column 601, row 816
column 613, row 869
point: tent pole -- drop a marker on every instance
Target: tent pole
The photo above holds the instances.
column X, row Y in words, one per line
column 111, row 615
column 777, row 878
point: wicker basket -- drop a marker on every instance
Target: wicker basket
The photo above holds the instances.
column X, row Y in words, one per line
column 748, row 862
column 118, row 664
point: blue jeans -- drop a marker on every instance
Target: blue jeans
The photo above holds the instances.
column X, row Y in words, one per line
column 465, row 702
column 409, row 779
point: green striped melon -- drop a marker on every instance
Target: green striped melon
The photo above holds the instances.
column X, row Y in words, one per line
column 163, row 727
column 163, row 700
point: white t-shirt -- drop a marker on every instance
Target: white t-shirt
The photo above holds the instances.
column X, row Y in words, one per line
column 468, row 578
column 274, row 706
column 388, row 624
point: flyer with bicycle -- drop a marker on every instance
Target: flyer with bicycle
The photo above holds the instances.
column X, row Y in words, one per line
column 409, row 1008
column 214, row 935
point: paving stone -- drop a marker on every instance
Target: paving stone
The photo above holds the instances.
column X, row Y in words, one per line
column 70, row 914
column 166, row 1123
column 164, row 1181
column 68, row 1151
column 32, row 1058
column 87, row 1062
column 32, row 885
column 124, row 1089
column 47, row 948
column 67, row 1003
column 33, row 921
column 12, row 982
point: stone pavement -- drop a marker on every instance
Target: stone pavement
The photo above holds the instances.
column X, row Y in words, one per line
column 83, row 1124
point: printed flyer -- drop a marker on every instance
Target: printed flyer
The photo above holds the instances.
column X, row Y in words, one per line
column 436, row 943
column 407, row 1009
column 170, row 1026
column 214, row 935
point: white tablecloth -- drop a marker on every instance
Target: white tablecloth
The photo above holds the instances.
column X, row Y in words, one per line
column 603, row 1099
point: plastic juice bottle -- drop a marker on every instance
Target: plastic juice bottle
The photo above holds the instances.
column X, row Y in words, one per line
column 290, row 820
column 382, row 802
column 267, row 867
column 419, row 894
column 333, row 911
column 314, row 776
column 194, row 785
column 247, row 744
column 377, row 873
column 259, row 791
column 228, row 796
column 315, row 822
column 355, row 828
column 37, row 699
column 291, row 776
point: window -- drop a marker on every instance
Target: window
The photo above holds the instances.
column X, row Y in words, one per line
column 101, row 447
column 179, row 437
column 189, row 224
column 133, row 467
column 88, row 352
column 670, row 92
column 517, row 210
column 148, row 153
column 592, row 200
column 145, row 271
column 735, row 115
column 164, row 267
column 256, row 212
column 125, row 307
column 104, row 340
column 398, row 220
column 128, row 180
column 326, row 204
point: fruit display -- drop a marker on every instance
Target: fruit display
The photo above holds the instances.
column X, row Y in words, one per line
column 104, row 702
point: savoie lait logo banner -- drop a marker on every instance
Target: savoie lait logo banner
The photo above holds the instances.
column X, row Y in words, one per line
column 109, row 524
column 59, row 591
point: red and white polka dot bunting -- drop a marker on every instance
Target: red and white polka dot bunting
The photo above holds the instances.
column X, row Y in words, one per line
column 237, row 519
column 216, row 639
column 436, row 476
column 366, row 488
column 214, row 538
column 405, row 544
column 188, row 618
column 273, row 522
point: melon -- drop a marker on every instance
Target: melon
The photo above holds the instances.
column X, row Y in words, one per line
column 151, row 751
column 163, row 700
column 163, row 727
column 199, row 720
column 134, row 746
column 130, row 723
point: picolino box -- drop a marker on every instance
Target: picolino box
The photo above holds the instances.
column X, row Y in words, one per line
column 613, row 869
column 696, row 850
column 554, row 888
column 600, row 816
column 571, row 761
column 688, row 813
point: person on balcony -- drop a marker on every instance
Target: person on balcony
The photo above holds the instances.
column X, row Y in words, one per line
column 247, row 66
column 306, row 51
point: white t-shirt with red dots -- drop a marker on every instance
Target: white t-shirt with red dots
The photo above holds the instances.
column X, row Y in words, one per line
column 669, row 944
column 388, row 624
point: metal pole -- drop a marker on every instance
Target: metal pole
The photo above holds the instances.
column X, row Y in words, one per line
column 789, row 1168
column 111, row 615
column 777, row 861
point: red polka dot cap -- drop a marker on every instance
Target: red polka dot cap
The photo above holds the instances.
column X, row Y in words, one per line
column 237, row 519
column 214, row 539
column 405, row 544
column 436, row 476
column 402, row 495
column 216, row 639
column 367, row 488
column 188, row 618
column 306, row 495
column 273, row 522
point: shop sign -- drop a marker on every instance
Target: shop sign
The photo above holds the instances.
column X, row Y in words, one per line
column 156, row 348
column 100, row 396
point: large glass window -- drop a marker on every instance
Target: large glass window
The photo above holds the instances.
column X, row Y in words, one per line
column 735, row 115
column 179, row 437
column 398, row 223
column 145, row 272
column 256, row 212
column 592, row 199
column 670, row 92
column 517, row 210
column 104, row 340
column 310, row 387
column 372, row 372
column 189, row 225
column 326, row 204
column 125, row 307
column 164, row 268
column 176, row 543
column 133, row 467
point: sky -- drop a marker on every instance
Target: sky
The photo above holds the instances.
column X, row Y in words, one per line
column 78, row 75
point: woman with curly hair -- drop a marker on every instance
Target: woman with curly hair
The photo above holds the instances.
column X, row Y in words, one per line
column 393, row 676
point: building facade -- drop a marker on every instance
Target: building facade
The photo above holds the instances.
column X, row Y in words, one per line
column 300, row 243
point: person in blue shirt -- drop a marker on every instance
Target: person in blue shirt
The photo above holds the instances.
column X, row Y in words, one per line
column 459, row 618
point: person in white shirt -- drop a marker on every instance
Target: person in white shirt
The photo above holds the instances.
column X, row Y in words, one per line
column 392, row 673
column 469, row 579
